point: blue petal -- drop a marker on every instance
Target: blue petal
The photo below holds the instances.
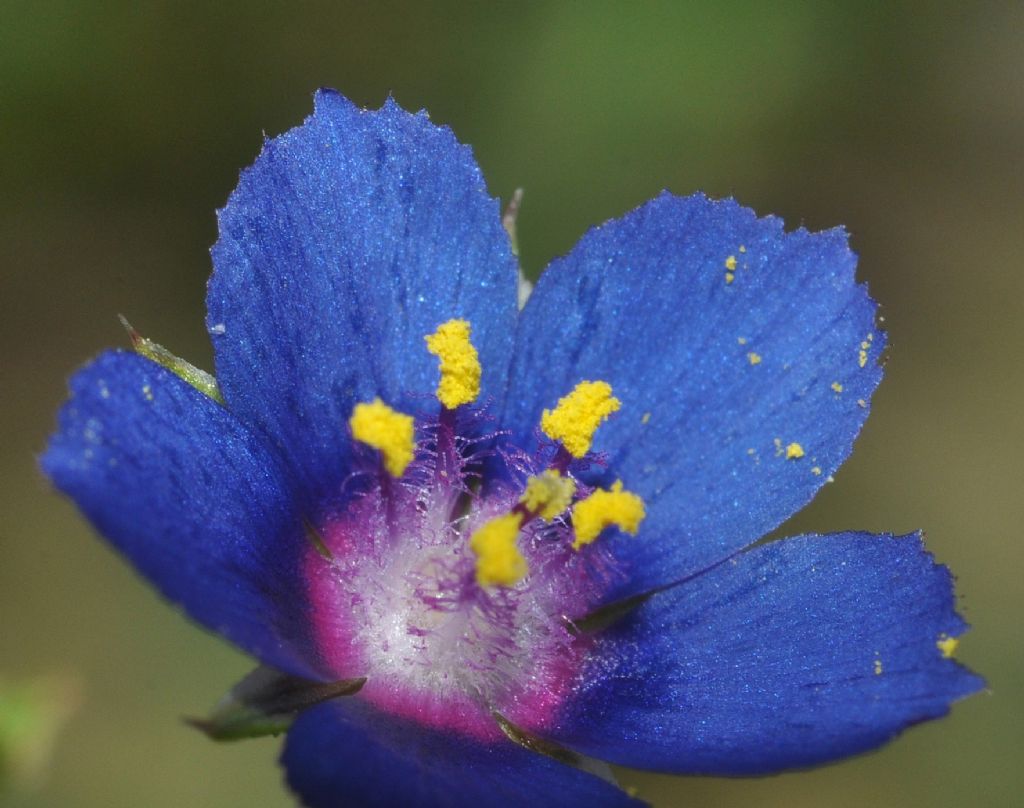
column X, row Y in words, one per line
column 351, row 238
column 191, row 497
column 345, row 753
column 793, row 653
column 643, row 303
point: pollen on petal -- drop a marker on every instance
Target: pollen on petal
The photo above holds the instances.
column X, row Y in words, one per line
column 578, row 415
column 604, row 509
column 794, row 451
column 498, row 560
column 388, row 430
column 947, row 645
column 460, row 363
column 548, row 494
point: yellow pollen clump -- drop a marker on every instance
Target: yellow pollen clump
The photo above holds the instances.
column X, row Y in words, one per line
column 730, row 263
column 794, row 451
column 548, row 494
column 754, row 358
column 602, row 509
column 498, row 560
column 578, row 415
column 837, row 387
column 947, row 645
column 388, row 430
column 460, row 364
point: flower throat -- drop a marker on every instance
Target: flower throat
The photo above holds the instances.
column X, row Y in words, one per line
column 479, row 553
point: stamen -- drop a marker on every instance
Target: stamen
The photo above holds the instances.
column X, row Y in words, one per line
column 578, row 415
column 603, row 509
column 388, row 430
column 498, row 560
column 548, row 494
column 460, row 363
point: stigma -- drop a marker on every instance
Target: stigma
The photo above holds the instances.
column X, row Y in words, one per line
column 548, row 494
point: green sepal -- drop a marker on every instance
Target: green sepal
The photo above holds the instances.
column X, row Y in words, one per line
column 266, row 702
column 535, row 743
column 199, row 379
column 509, row 221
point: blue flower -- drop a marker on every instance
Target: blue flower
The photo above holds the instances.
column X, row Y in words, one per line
column 451, row 520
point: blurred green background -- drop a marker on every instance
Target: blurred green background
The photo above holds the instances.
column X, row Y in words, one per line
column 123, row 126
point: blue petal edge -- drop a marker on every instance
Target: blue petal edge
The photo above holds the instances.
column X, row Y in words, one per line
column 717, row 378
column 349, row 239
column 194, row 500
column 794, row 653
column 346, row 753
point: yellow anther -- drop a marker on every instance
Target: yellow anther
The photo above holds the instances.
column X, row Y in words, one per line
column 460, row 364
column 947, row 645
column 730, row 263
column 794, row 451
column 623, row 509
column 578, row 415
column 388, row 430
column 754, row 358
column 837, row 387
column 498, row 560
column 548, row 494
